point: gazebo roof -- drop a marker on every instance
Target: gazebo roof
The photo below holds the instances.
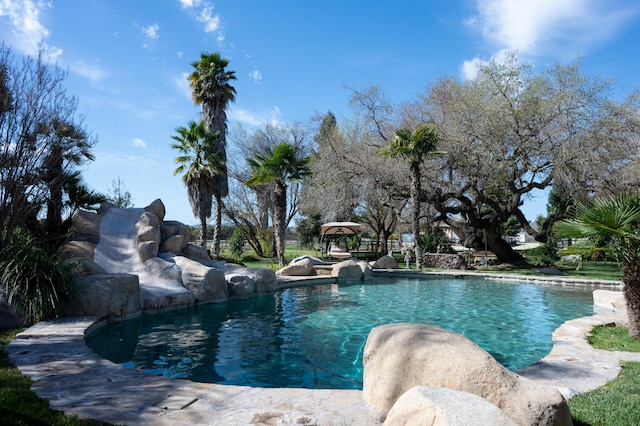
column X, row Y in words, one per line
column 331, row 228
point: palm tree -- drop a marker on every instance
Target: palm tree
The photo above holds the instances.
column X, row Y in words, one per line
column 414, row 146
column 199, row 167
column 616, row 222
column 280, row 165
column 209, row 82
column 70, row 147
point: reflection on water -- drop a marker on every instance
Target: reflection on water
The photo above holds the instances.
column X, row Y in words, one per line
column 314, row 337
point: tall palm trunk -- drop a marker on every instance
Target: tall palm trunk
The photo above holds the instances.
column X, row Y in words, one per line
column 415, row 211
column 203, row 230
column 631, row 280
column 54, row 180
column 279, row 224
column 218, row 225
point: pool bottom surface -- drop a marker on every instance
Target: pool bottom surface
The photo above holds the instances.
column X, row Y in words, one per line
column 313, row 337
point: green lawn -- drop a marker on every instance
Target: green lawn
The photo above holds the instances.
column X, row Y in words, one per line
column 587, row 269
column 618, row 402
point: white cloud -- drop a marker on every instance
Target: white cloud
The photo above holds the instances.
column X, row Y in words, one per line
column 469, row 68
column 113, row 161
column 256, row 76
column 151, row 31
column 28, row 34
column 189, row 3
column 139, row 143
column 550, row 27
column 90, row 72
column 211, row 21
column 203, row 12
column 252, row 119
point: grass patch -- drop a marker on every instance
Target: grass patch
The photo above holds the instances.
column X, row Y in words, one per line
column 615, row 404
column 18, row 404
column 613, row 339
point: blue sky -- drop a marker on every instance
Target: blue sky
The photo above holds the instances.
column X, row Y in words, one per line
column 127, row 61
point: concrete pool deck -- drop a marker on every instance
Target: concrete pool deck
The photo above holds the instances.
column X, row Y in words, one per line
column 77, row 381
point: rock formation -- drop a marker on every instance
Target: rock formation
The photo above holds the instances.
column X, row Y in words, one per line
column 310, row 266
column 132, row 260
column 398, row 357
column 423, row 405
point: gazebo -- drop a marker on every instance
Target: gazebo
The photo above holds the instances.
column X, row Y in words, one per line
column 331, row 232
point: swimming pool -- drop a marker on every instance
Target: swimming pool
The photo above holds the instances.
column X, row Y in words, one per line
column 314, row 337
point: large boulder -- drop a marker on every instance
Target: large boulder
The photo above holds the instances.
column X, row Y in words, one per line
column 82, row 267
column 385, row 262
column 116, row 296
column 157, row 209
column 263, row 278
column 148, row 236
column 75, row 249
column 86, row 223
column 423, row 405
column 398, row 357
column 348, row 270
column 240, row 286
column 207, row 284
column 195, row 252
column 158, row 295
column 301, row 266
column 174, row 236
column 174, row 244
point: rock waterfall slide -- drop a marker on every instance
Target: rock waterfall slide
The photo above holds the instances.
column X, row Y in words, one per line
column 117, row 252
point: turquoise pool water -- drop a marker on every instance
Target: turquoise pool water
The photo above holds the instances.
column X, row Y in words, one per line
column 314, row 337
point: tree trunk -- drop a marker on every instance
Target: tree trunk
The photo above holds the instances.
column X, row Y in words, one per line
column 54, row 181
column 203, row 231
column 279, row 224
column 631, row 280
column 415, row 211
column 217, row 226
column 502, row 249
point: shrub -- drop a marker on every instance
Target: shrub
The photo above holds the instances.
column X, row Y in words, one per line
column 436, row 242
column 547, row 253
column 34, row 280
column 236, row 242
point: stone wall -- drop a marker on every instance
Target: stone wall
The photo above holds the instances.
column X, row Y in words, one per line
column 445, row 261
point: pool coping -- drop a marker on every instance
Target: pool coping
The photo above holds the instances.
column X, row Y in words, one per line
column 75, row 380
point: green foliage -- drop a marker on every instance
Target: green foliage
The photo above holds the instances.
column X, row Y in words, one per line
column 119, row 195
column 546, row 254
column 308, row 230
column 34, row 279
column 282, row 164
column 613, row 339
column 511, row 227
column 616, row 403
column 436, row 242
column 415, row 146
column 612, row 222
column 236, row 242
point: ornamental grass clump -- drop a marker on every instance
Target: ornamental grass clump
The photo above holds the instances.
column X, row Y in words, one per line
column 33, row 279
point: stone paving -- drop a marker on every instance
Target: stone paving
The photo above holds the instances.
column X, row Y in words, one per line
column 75, row 380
